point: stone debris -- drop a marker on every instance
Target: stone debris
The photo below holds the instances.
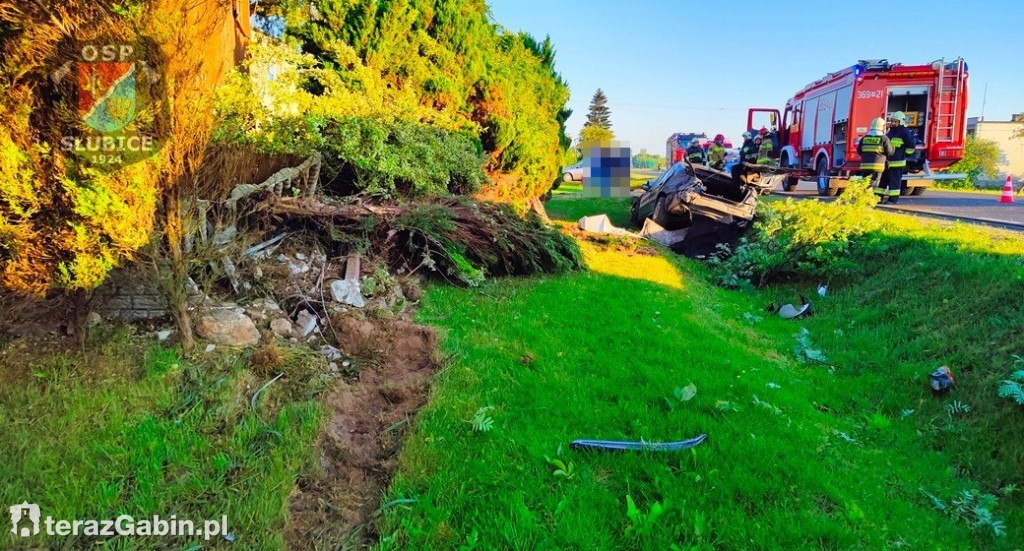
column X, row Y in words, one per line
column 281, row 327
column 330, row 352
column 306, row 324
column 348, row 290
column 228, row 326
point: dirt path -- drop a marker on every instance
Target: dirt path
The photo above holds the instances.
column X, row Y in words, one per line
column 360, row 441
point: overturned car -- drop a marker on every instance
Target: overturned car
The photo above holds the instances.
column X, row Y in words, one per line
column 714, row 207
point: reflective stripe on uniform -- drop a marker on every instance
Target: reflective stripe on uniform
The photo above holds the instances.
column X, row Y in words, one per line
column 879, row 191
column 876, row 149
column 877, row 167
column 898, row 164
column 894, row 192
column 897, row 142
column 909, row 150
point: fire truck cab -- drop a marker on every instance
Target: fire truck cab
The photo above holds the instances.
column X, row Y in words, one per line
column 818, row 130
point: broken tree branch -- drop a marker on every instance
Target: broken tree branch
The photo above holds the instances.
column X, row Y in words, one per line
column 311, row 207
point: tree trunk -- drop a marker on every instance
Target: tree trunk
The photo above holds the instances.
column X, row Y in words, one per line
column 178, row 293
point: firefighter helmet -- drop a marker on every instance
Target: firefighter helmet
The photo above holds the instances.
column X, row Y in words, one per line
column 719, row 138
column 878, row 124
column 746, row 135
column 899, row 117
column 695, row 141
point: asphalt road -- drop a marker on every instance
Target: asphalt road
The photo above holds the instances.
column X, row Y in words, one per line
column 948, row 205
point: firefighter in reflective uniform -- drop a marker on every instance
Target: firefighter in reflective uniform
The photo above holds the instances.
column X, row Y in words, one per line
column 717, row 153
column 874, row 150
column 904, row 146
column 695, row 153
column 748, row 152
column 764, row 149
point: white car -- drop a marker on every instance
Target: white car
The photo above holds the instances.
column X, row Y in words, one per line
column 573, row 173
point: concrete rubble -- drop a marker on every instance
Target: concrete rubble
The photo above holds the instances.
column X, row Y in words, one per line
column 227, row 326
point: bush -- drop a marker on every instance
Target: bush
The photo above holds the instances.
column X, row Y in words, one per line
column 365, row 148
column 981, row 159
column 445, row 63
column 794, row 238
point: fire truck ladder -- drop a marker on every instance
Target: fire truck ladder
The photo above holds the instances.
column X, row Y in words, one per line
column 951, row 84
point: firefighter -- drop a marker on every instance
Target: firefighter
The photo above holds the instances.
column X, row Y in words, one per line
column 695, row 153
column 717, row 153
column 874, row 149
column 904, row 145
column 748, row 152
column 764, row 149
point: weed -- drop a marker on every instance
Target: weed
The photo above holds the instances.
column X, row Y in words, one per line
column 481, row 421
column 1013, row 388
column 972, row 507
column 682, row 395
column 642, row 524
column 563, row 469
column 957, row 408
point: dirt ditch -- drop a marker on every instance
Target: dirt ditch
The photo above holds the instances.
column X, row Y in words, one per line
column 359, row 443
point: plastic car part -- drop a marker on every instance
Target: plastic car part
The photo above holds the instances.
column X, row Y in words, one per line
column 638, row 446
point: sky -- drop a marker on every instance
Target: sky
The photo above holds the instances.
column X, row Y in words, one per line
column 697, row 65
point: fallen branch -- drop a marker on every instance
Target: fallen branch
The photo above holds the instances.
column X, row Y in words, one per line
column 312, row 207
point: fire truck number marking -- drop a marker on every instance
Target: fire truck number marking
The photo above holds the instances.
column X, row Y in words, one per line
column 869, row 94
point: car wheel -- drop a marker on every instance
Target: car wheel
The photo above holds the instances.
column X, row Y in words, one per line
column 824, row 181
column 904, row 190
column 634, row 213
column 567, row 177
column 917, row 190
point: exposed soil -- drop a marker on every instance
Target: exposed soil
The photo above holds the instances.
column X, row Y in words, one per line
column 360, row 442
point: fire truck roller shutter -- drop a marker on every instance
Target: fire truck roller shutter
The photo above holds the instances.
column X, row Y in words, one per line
column 806, row 135
column 826, row 114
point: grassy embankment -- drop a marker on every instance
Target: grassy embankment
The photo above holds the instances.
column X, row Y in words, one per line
column 823, row 433
column 130, row 427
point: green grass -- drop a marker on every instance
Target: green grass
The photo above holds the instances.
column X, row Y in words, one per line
column 572, row 209
column 133, row 428
column 800, row 455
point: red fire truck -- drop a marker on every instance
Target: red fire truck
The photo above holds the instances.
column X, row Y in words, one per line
column 823, row 123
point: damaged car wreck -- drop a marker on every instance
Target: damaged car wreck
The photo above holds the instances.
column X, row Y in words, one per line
column 712, row 207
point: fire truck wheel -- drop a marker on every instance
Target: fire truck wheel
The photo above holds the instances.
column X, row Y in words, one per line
column 789, row 184
column 917, row 191
column 823, row 179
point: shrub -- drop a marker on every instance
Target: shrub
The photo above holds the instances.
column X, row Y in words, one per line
column 446, row 64
column 981, row 159
column 365, row 147
column 799, row 238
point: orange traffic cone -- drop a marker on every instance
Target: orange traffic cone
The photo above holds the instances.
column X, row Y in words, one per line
column 1007, row 191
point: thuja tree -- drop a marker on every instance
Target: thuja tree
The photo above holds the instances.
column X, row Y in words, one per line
column 470, row 73
column 103, row 117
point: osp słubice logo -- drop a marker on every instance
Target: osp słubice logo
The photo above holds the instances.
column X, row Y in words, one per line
column 117, row 99
column 106, row 95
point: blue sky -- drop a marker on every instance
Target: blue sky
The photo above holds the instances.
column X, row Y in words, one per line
column 696, row 65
